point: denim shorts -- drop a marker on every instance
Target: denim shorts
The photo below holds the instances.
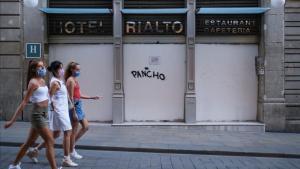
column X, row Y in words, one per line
column 78, row 108
column 39, row 117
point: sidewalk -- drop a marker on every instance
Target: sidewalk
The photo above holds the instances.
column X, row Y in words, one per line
column 172, row 140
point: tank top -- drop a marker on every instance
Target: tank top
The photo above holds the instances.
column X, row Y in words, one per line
column 39, row 95
column 76, row 91
column 60, row 97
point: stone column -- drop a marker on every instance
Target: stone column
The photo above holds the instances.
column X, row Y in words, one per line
column 190, row 97
column 118, row 93
column 273, row 100
column 35, row 31
column 11, row 56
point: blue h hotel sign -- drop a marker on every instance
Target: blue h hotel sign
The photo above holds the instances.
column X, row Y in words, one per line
column 33, row 50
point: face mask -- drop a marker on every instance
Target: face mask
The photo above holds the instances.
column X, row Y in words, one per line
column 41, row 72
column 76, row 74
column 61, row 72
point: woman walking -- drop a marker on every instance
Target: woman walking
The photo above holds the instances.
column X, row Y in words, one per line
column 59, row 119
column 77, row 115
column 37, row 93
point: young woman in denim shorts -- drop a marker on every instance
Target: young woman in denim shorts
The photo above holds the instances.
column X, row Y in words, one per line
column 77, row 115
column 37, row 93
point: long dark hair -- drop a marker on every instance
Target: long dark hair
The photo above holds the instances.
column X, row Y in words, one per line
column 71, row 66
column 32, row 68
column 54, row 66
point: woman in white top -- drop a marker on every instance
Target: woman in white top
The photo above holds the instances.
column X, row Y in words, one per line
column 59, row 119
column 37, row 93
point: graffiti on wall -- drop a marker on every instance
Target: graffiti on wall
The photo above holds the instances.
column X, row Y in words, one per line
column 147, row 73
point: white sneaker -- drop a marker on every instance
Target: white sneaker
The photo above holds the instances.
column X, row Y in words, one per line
column 75, row 155
column 32, row 153
column 14, row 166
column 67, row 162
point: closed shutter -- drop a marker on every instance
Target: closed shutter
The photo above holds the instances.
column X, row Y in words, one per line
column 227, row 3
column 80, row 4
column 154, row 3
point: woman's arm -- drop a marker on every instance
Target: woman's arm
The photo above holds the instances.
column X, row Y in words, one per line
column 70, row 87
column 89, row 97
column 31, row 88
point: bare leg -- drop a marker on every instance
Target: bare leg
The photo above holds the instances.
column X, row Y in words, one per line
column 66, row 143
column 33, row 135
column 42, row 145
column 73, row 135
column 85, row 127
column 46, row 134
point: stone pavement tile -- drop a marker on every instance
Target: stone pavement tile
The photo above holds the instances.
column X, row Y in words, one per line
column 280, row 164
column 155, row 162
column 165, row 160
column 176, row 162
column 134, row 161
column 250, row 163
column 226, row 161
column 295, row 163
column 205, row 159
column 86, row 162
column 263, row 163
column 197, row 163
column 105, row 163
column 221, row 167
column 187, row 162
column 207, row 162
column 210, row 166
column 145, row 161
column 33, row 166
column 218, row 161
column 233, row 163
column 123, row 162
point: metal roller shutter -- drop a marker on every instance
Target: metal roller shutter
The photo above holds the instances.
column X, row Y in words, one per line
column 154, row 4
column 80, row 4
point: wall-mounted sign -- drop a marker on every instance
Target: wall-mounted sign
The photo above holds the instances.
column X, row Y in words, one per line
column 80, row 24
column 154, row 24
column 33, row 50
column 228, row 24
column 154, row 60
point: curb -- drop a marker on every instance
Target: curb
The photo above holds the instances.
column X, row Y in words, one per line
column 171, row 151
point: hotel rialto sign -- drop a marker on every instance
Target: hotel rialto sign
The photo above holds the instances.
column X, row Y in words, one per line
column 102, row 25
